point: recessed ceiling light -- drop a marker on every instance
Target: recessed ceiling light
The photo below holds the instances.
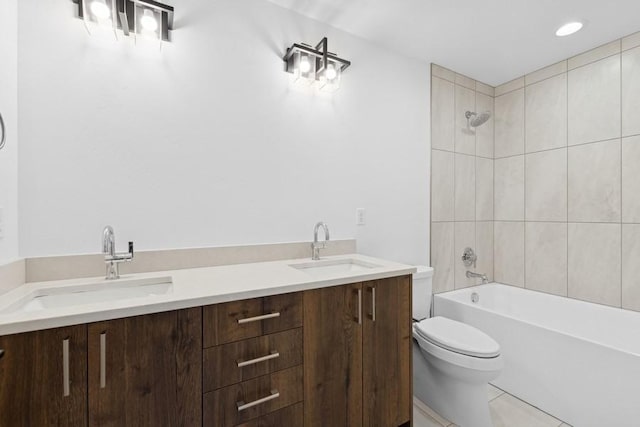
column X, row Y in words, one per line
column 568, row 29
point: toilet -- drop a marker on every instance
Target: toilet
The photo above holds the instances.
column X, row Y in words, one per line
column 452, row 362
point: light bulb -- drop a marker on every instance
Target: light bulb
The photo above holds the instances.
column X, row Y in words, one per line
column 331, row 72
column 100, row 10
column 305, row 65
column 148, row 21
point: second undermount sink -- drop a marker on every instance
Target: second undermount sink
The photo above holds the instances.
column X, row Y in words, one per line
column 95, row 292
column 331, row 267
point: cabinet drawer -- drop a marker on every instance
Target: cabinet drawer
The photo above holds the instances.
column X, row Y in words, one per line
column 242, row 360
column 239, row 320
column 239, row 403
column 291, row 416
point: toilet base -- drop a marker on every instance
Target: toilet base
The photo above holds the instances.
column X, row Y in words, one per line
column 458, row 396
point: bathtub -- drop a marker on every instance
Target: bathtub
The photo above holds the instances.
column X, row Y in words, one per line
column 577, row 361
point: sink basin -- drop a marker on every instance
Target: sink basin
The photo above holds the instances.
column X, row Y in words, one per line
column 105, row 291
column 333, row 267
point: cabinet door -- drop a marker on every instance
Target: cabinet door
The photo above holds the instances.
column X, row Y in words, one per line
column 146, row 370
column 43, row 378
column 387, row 352
column 333, row 356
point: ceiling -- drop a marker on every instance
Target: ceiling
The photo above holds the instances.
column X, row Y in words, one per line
column 493, row 41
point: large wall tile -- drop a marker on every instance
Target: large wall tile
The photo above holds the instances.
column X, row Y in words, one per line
column 465, row 136
column 631, row 92
column 594, row 182
column 484, row 248
column 631, row 179
column 546, row 72
column 631, row 41
column 465, row 188
column 631, row 266
column 442, row 114
column 509, row 253
column 546, row 114
column 484, row 189
column 442, row 178
column 484, row 133
column 442, row 259
column 594, row 101
column 443, row 73
column 509, row 86
column 509, row 124
column 595, row 54
column 546, row 186
column 509, row 189
column 546, row 257
column 465, row 238
column 594, row 263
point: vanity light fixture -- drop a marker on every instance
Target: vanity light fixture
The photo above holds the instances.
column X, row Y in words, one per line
column 310, row 65
column 141, row 17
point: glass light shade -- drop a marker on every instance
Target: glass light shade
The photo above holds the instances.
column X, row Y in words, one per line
column 148, row 21
column 329, row 78
column 304, row 68
column 99, row 18
column 100, row 10
column 147, row 27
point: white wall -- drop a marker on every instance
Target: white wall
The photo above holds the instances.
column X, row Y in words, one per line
column 9, row 111
column 207, row 143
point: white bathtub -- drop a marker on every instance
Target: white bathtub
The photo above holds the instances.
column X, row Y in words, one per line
column 575, row 360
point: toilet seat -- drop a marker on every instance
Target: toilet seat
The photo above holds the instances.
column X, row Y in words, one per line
column 457, row 337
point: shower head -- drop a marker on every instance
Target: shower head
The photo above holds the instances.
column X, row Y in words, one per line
column 474, row 119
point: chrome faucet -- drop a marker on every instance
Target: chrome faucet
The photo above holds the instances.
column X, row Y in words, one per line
column 111, row 258
column 471, row 274
column 316, row 246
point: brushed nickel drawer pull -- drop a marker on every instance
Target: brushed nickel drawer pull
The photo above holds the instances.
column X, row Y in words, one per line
column 242, row 406
column 373, row 304
column 259, row 318
column 103, row 360
column 66, row 387
column 273, row 355
column 359, row 306
column 1, row 354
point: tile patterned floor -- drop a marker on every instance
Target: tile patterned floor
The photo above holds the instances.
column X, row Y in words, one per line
column 506, row 411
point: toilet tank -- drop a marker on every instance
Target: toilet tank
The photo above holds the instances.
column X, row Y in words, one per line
column 422, row 287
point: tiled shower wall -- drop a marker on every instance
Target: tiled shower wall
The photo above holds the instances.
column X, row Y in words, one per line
column 567, row 177
column 462, row 178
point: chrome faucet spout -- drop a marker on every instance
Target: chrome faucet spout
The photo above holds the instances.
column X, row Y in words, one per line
column 316, row 246
column 471, row 274
column 111, row 258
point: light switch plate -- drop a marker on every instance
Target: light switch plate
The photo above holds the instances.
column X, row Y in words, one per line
column 361, row 216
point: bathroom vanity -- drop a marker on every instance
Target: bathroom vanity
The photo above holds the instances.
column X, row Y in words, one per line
column 321, row 349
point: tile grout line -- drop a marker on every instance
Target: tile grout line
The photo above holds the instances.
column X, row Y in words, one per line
column 524, row 189
column 567, row 185
column 621, row 163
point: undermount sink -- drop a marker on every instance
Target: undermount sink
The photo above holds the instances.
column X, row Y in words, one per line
column 332, row 267
column 91, row 293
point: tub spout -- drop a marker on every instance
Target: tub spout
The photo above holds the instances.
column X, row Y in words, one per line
column 471, row 274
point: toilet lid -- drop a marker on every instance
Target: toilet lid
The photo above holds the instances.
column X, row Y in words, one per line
column 458, row 337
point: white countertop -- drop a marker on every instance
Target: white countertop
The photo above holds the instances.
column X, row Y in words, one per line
column 191, row 288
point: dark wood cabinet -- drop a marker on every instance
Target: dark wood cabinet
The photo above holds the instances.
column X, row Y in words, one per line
column 387, row 387
column 333, row 356
column 357, row 354
column 336, row 356
column 146, row 370
column 43, row 378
